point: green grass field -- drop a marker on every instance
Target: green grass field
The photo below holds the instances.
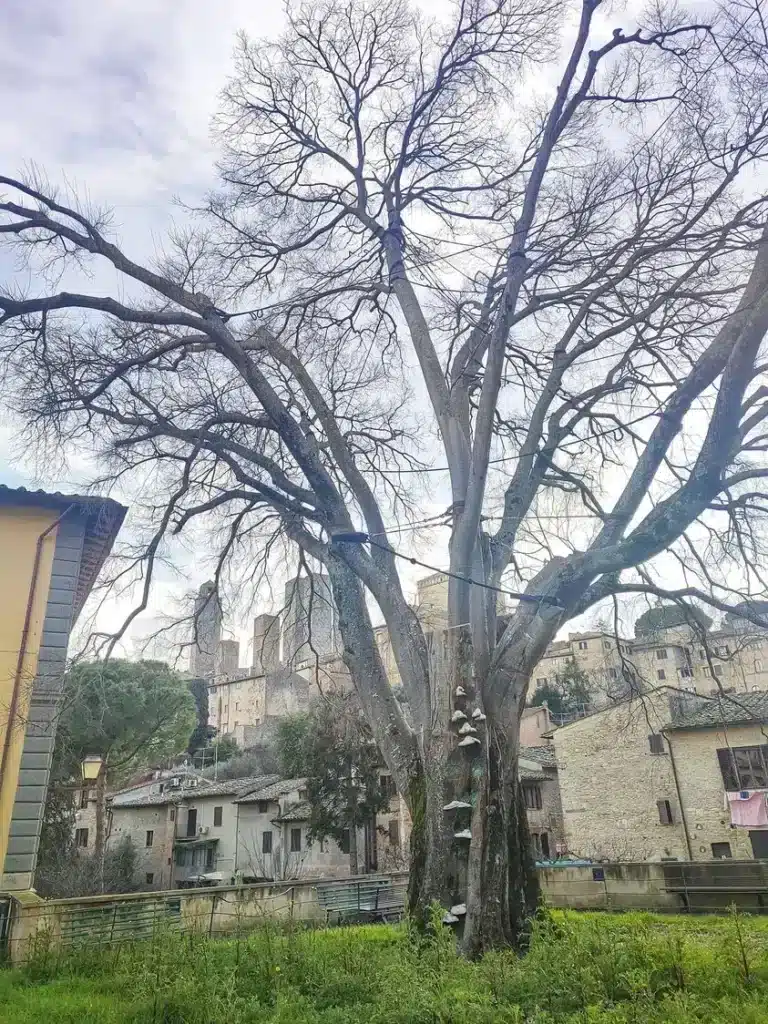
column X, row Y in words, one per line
column 586, row 968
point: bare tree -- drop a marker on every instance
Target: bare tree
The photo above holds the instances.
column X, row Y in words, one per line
column 545, row 252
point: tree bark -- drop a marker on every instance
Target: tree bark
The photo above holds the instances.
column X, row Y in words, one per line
column 354, row 867
column 99, row 848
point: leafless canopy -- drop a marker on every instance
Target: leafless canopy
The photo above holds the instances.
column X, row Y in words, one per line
column 544, row 249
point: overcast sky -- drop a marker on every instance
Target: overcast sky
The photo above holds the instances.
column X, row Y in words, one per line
column 116, row 99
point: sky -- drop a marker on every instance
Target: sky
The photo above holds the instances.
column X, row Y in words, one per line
column 115, row 100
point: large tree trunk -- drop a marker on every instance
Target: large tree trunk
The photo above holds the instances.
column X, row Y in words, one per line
column 493, row 874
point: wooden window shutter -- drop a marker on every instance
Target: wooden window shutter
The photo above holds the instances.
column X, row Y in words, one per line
column 727, row 769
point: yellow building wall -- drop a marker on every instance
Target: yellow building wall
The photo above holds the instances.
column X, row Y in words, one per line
column 19, row 532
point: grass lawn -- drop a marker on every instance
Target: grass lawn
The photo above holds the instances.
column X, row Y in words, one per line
column 586, row 968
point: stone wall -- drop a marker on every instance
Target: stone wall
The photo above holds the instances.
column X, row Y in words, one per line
column 38, row 924
column 611, row 782
column 702, row 789
column 155, row 860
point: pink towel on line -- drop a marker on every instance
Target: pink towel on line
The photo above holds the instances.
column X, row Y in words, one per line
column 749, row 813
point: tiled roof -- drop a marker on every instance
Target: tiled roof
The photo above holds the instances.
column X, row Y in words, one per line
column 229, row 787
column 103, row 519
column 295, row 812
column 273, row 791
column 133, row 799
column 725, row 709
column 544, row 755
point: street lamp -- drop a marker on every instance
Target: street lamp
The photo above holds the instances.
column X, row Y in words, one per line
column 91, row 767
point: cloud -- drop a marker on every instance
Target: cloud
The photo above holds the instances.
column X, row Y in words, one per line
column 117, row 97
column 114, row 100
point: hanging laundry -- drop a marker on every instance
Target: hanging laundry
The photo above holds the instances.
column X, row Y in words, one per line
column 749, row 810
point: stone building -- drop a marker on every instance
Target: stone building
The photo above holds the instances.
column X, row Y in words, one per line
column 734, row 659
column 658, row 777
column 541, row 790
column 206, row 632
column 309, row 628
column 187, row 830
column 227, row 658
column 599, row 654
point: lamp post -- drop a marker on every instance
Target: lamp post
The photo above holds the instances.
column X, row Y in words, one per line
column 93, row 770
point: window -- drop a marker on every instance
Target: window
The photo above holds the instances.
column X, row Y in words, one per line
column 583, row 645
column 718, row 670
column 209, row 858
column 723, row 650
column 237, row 705
column 394, row 832
column 532, row 797
column 173, row 814
column 303, row 794
column 387, row 786
column 685, row 673
column 344, row 845
column 607, row 644
column 661, row 674
column 758, row 665
column 266, row 842
column 81, row 838
column 705, row 670
column 544, row 842
column 150, row 877
column 744, row 767
column 612, row 673
column 263, row 806
column 162, row 787
column 295, row 840
column 192, row 822
column 721, row 851
column 83, row 799
column 662, row 654
column 666, row 816
column 217, row 814
column 702, row 653
column 541, row 681
column 150, row 837
column 656, row 743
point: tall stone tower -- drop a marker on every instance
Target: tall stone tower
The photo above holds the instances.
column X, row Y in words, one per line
column 309, row 624
column 206, row 632
column 266, row 644
column 228, row 658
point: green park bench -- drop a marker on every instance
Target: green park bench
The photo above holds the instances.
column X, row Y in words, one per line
column 368, row 899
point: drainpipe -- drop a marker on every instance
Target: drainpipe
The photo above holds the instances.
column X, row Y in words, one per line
column 16, row 691
column 675, row 776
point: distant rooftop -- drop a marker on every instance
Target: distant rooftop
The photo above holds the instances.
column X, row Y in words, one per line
column 273, row 790
column 725, row 709
column 229, row 787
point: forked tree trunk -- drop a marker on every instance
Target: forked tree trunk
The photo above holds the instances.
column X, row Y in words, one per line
column 493, row 874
